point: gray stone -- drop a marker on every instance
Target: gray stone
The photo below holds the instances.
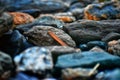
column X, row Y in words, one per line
column 60, row 50
column 34, row 59
column 83, row 31
column 88, row 59
column 111, row 36
column 6, row 21
column 6, row 64
column 38, row 35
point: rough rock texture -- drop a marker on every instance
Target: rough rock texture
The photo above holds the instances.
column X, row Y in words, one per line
column 107, row 10
column 42, row 5
column 84, row 31
column 114, row 47
column 6, row 65
column 6, row 21
column 88, row 59
column 45, row 20
column 34, row 59
column 38, row 35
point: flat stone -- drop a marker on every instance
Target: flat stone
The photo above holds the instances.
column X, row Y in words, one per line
column 39, row 36
column 34, row 59
column 6, row 22
column 88, row 59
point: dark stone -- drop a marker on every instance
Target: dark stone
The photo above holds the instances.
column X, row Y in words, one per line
column 43, row 6
column 13, row 43
column 46, row 21
column 83, row 47
column 83, row 31
column 100, row 44
column 39, row 36
column 6, row 65
column 37, row 60
column 6, row 22
column 88, row 59
column 111, row 36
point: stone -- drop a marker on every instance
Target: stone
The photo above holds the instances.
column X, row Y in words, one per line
column 39, row 36
column 77, row 73
column 102, row 11
column 6, row 22
column 60, row 50
column 111, row 36
column 45, row 21
column 114, row 47
column 37, row 60
column 44, row 6
column 83, row 31
column 100, row 44
column 6, row 65
column 21, row 18
column 23, row 76
column 97, row 49
column 109, row 75
column 13, row 43
column 88, row 59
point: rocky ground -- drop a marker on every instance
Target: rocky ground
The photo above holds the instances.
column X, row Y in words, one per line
column 59, row 39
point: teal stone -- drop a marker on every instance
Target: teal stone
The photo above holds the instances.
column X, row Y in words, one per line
column 88, row 59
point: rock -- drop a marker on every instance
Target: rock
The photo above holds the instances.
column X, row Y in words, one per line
column 100, row 44
column 77, row 73
column 45, row 20
column 43, row 6
column 111, row 36
column 107, row 10
column 21, row 18
column 35, row 59
column 6, row 65
column 38, row 35
column 60, row 50
column 88, row 59
column 83, row 47
column 83, row 31
column 114, row 47
column 97, row 49
column 23, row 76
column 13, row 43
column 6, row 22
column 109, row 75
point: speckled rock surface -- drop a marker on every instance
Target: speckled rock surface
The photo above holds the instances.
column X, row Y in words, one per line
column 38, row 35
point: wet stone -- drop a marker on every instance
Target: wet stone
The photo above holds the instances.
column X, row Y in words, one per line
column 6, row 65
column 88, row 59
column 83, row 31
column 35, row 59
column 39, row 36
column 6, row 22
column 102, row 11
column 77, row 73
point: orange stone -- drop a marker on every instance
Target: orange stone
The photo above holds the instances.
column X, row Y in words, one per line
column 21, row 18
